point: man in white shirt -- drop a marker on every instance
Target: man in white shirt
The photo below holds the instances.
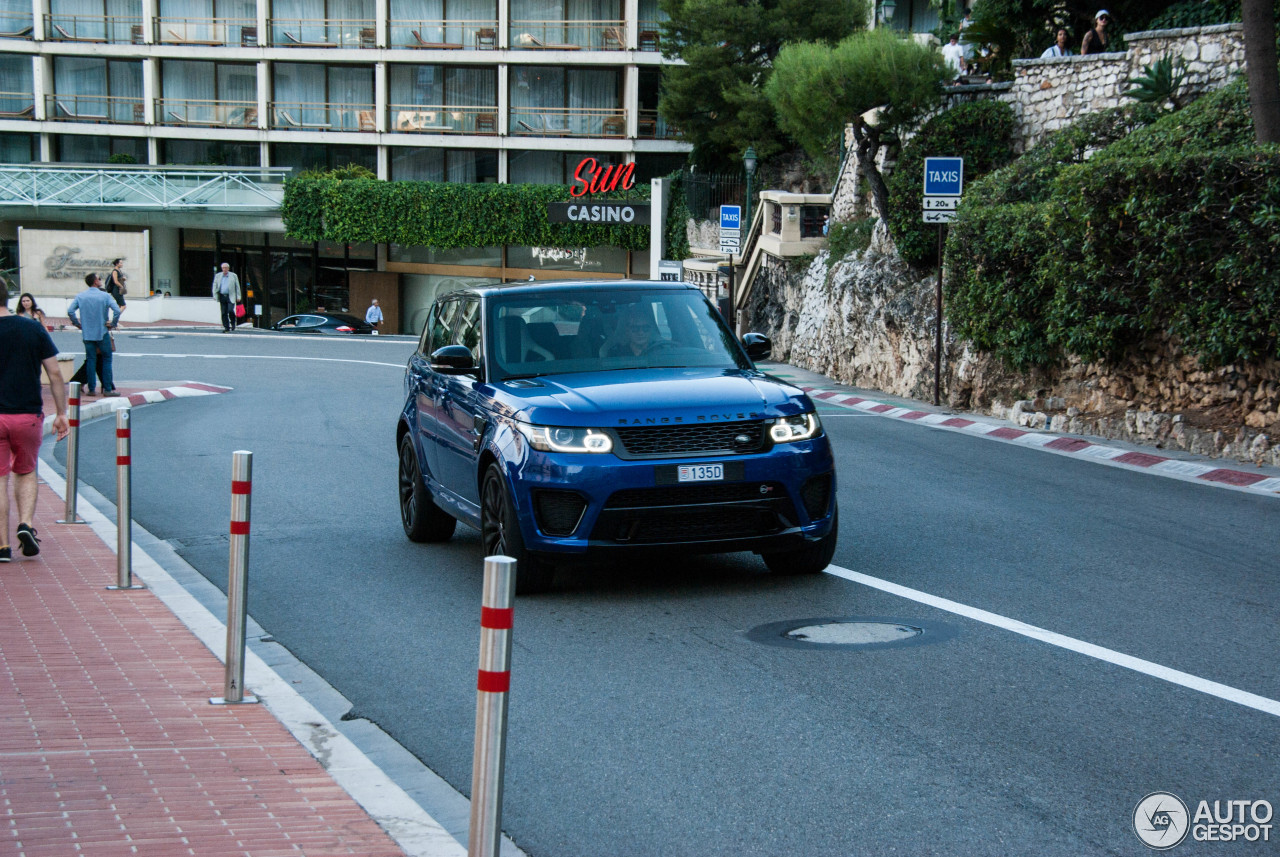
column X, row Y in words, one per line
column 373, row 315
column 954, row 55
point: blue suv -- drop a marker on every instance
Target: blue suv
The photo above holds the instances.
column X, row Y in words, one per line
column 571, row 420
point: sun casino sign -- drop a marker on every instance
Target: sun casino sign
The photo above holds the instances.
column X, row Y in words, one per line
column 591, row 177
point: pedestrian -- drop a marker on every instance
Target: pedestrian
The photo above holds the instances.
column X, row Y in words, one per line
column 1058, row 48
column 25, row 347
column 95, row 323
column 27, row 308
column 115, row 282
column 226, row 290
column 954, row 55
column 967, row 45
column 1096, row 41
column 373, row 315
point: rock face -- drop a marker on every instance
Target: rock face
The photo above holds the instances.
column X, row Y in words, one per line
column 869, row 321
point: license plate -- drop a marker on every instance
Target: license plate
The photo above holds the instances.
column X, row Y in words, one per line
column 700, row 473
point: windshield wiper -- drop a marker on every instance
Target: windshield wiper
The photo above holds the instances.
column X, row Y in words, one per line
column 523, row 377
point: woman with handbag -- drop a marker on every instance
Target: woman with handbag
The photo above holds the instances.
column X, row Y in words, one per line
column 115, row 282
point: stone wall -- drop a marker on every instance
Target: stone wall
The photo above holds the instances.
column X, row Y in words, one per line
column 1048, row 94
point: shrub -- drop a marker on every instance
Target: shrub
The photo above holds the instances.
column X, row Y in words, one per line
column 848, row 236
column 981, row 132
column 1218, row 120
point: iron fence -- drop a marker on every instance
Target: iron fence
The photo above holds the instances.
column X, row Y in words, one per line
column 704, row 193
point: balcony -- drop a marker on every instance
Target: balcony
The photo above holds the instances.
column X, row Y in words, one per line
column 651, row 126
column 210, row 32
column 323, row 33
column 16, row 25
column 649, row 35
column 117, row 110
column 17, row 105
column 438, row 119
column 95, row 29
column 569, row 35
column 568, row 122
column 444, row 35
column 207, row 114
column 317, row 116
column 241, row 189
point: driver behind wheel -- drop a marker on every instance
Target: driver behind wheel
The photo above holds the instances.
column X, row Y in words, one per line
column 635, row 335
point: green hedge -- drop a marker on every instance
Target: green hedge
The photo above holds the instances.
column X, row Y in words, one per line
column 1125, row 250
column 445, row 215
column 981, row 132
column 1218, row 120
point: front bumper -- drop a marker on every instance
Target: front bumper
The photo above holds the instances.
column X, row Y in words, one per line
column 772, row 501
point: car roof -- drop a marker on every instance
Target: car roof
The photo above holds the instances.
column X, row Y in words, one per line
column 568, row 285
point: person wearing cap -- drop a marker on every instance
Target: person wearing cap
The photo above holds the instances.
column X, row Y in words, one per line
column 1096, row 41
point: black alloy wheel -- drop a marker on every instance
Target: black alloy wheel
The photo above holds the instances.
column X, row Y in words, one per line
column 422, row 519
column 500, row 535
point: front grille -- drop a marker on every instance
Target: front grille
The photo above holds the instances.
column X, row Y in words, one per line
column 698, row 523
column 559, row 512
column 816, row 496
column 697, row 439
column 691, row 495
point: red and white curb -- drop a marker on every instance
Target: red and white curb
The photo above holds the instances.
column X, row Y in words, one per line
column 1254, row 483
column 100, row 407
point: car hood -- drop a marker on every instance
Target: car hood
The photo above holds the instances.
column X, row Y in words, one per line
column 649, row 397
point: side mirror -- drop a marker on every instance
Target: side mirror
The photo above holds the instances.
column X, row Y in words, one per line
column 758, row 345
column 452, row 360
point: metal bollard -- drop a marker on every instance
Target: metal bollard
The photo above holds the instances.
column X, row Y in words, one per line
column 73, row 454
column 124, row 504
column 237, row 580
column 492, row 684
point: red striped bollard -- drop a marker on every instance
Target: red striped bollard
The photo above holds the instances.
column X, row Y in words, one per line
column 73, row 454
column 237, row 579
column 493, row 682
column 124, row 503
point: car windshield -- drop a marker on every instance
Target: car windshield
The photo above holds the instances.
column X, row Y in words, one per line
column 596, row 330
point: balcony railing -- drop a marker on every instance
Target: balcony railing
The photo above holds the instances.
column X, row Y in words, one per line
column 213, row 114
column 649, row 35
column 323, row 33
column 437, row 119
column 209, row 188
column 568, row 122
column 119, row 110
column 16, row 25
column 444, row 35
column 318, row 116
column 569, row 35
column 651, row 126
column 17, row 105
column 93, row 28
column 213, row 32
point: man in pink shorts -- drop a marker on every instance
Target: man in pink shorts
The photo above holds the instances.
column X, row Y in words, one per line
column 25, row 346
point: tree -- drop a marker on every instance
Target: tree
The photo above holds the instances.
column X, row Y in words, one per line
column 817, row 89
column 728, row 47
column 1260, row 68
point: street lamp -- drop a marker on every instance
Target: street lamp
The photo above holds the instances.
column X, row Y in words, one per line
column 749, row 161
column 886, row 10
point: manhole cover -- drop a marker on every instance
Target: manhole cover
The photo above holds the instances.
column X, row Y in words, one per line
column 850, row 632
column 151, row 336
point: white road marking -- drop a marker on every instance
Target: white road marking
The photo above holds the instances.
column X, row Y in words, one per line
column 1187, row 680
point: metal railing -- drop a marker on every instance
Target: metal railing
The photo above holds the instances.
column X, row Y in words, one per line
column 17, row 105
column 118, row 110
column 323, row 33
column 148, row 188
column 438, row 119
column 567, row 122
column 320, row 116
column 569, row 35
column 651, row 126
column 220, row 114
column 214, row 32
column 704, row 193
column 17, row 25
column 444, row 35
column 99, row 29
column 649, row 35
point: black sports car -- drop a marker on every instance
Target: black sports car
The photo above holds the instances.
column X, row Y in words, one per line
column 322, row 322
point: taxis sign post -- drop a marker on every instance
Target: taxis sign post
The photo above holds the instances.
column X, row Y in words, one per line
column 943, row 184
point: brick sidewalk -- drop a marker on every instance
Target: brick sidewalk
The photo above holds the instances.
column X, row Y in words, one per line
column 108, row 743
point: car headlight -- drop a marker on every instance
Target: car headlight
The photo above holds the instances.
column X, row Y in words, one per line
column 559, row 439
column 790, row 429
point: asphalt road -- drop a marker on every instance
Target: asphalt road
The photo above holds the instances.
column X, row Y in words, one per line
column 645, row 719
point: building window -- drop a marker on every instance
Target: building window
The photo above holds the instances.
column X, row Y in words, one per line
column 311, row 96
column 17, row 93
column 97, row 149
column 443, row 24
column 96, row 90
column 541, row 167
column 318, row 156
column 463, row 166
column 443, row 99
column 19, row 148
column 210, row 153
column 552, row 101
column 208, row 93
column 118, row 21
column 298, row 23
column 573, row 24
